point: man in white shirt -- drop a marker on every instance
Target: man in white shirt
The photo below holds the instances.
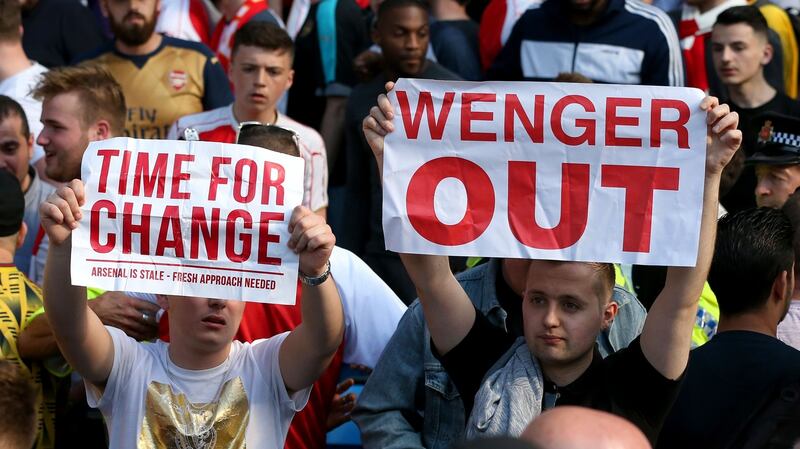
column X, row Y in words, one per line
column 18, row 74
column 201, row 388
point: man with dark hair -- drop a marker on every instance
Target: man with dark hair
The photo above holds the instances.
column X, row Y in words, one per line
column 17, row 407
column 609, row 41
column 752, row 275
column 19, row 300
column 505, row 381
column 18, row 74
column 16, row 148
column 402, row 31
column 261, row 72
column 163, row 78
column 777, row 159
column 740, row 50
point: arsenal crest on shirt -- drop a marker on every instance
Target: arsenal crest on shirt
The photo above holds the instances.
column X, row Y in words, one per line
column 177, row 79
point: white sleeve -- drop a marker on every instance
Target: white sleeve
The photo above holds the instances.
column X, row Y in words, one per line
column 314, row 154
column 371, row 308
column 266, row 353
column 128, row 355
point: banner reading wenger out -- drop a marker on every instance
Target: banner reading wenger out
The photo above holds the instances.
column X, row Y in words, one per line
column 543, row 170
column 188, row 218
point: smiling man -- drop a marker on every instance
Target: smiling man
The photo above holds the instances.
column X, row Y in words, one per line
column 261, row 72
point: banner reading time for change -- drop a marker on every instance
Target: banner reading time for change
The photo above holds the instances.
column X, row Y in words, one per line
column 579, row 172
column 188, row 218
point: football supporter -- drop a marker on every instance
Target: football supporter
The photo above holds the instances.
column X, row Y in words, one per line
column 202, row 387
column 753, row 277
column 16, row 148
column 163, row 78
column 261, row 71
column 566, row 305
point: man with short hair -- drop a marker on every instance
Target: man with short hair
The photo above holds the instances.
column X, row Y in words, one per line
column 18, row 74
column 609, row 41
column 16, row 148
column 409, row 390
column 152, row 393
column 261, row 72
column 740, row 50
column 163, row 78
column 777, row 159
column 566, row 305
column 402, row 32
column 731, row 375
column 19, row 300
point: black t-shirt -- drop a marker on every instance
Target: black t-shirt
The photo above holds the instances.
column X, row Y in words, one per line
column 742, row 195
column 726, row 378
column 57, row 31
column 624, row 383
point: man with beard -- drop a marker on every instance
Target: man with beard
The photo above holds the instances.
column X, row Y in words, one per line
column 609, row 41
column 163, row 78
column 402, row 32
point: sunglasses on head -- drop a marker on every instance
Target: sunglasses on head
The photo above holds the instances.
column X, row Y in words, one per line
column 254, row 126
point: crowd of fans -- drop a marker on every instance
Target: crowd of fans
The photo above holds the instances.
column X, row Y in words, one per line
column 451, row 352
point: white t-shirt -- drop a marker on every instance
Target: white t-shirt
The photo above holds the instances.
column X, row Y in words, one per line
column 18, row 87
column 145, row 407
column 789, row 328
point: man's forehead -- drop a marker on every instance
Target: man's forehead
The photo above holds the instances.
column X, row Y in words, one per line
column 736, row 32
column 11, row 127
column 251, row 54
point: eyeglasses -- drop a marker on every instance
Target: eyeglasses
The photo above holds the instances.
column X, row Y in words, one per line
column 256, row 127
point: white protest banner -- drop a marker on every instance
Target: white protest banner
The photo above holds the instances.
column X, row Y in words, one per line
column 188, row 218
column 579, row 172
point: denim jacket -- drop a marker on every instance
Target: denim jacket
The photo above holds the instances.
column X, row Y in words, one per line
column 409, row 400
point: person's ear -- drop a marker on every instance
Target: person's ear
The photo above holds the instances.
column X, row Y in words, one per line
column 609, row 312
column 766, row 57
column 162, row 301
column 780, row 285
column 23, row 231
column 102, row 131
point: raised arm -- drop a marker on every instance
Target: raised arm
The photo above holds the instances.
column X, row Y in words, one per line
column 310, row 347
column 666, row 337
column 448, row 310
column 84, row 341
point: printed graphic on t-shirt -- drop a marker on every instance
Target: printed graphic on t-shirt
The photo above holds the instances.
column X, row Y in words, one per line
column 172, row 422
